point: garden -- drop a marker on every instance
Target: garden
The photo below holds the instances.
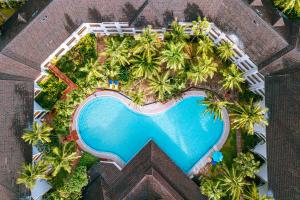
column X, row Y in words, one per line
column 147, row 67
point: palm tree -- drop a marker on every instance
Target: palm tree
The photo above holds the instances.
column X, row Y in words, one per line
column 205, row 46
column 174, row 56
column 246, row 115
column 212, row 189
column 62, row 158
column 214, row 106
column 208, row 64
column 116, row 51
column 147, row 43
column 142, row 68
column 39, row 133
column 30, row 173
column 252, row 193
column 225, row 50
column 197, row 74
column 232, row 182
column 246, row 164
column 92, row 70
column 160, row 85
column 232, row 78
column 177, row 34
column 200, row 26
column 288, row 5
column 138, row 97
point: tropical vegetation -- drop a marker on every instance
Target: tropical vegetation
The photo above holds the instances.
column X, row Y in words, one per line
column 290, row 7
column 148, row 67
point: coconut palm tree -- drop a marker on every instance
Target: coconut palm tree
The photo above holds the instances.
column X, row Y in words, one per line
column 92, row 70
column 252, row 193
column 232, row 182
column 288, row 5
column 212, row 189
column 30, row 173
column 208, row 64
column 147, row 43
column 142, row 68
column 197, row 74
column 160, row 85
column 200, row 26
column 177, row 34
column 38, row 133
column 214, row 106
column 205, row 46
column 138, row 97
column 232, row 78
column 244, row 116
column 116, row 51
column 62, row 158
column 174, row 56
column 225, row 50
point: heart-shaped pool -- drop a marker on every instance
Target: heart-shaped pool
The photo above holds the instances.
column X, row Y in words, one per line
column 110, row 125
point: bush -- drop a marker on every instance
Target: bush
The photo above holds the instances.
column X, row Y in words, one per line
column 87, row 160
column 52, row 89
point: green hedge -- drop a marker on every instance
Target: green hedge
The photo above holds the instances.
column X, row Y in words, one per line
column 52, row 89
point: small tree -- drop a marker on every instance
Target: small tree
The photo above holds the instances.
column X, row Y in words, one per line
column 252, row 193
column 288, row 5
column 212, row 189
column 246, row 164
column 225, row 51
column 232, row 78
column 39, row 133
column 160, row 85
column 30, row 173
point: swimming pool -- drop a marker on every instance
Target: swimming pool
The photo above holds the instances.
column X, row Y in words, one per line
column 111, row 124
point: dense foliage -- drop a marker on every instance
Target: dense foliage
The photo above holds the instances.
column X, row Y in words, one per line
column 290, row 7
column 146, row 67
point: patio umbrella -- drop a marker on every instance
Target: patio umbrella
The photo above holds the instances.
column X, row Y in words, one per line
column 217, row 156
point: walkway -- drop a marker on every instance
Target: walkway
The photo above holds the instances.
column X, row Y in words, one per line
column 71, row 85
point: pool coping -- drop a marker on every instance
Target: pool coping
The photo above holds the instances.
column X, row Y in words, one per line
column 149, row 109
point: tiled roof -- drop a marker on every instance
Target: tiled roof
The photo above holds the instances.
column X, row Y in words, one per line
column 283, row 133
column 149, row 175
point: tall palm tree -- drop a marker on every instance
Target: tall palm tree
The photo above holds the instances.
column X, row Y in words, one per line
column 233, row 183
column 30, row 173
column 174, row 56
column 38, row 133
column 177, row 34
column 62, row 158
column 214, row 106
column 197, row 74
column 225, row 50
column 142, row 68
column 244, row 116
column 288, row 5
column 252, row 193
column 212, row 189
column 232, row 78
column 160, row 85
column 116, row 51
column 147, row 43
column 205, row 46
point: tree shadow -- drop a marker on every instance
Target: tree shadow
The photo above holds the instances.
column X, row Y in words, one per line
column 95, row 16
column 130, row 12
column 142, row 22
column 70, row 25
column 168, row 18
column 191, row 12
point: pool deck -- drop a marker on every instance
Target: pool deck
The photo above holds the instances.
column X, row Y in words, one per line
column 149, row 109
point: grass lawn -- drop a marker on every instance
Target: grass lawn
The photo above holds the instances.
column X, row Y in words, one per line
column 229, row 149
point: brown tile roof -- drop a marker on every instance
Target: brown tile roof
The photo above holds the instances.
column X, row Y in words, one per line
column 16, row 102
column 283, row 133
column 149, row 175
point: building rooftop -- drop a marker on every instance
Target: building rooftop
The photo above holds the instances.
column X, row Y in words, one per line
column 149, row 175
column 283, row 135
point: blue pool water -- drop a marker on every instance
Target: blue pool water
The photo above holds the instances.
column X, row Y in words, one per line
column 184, row 132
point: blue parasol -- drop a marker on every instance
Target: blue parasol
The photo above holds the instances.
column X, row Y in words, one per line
column 217, row 156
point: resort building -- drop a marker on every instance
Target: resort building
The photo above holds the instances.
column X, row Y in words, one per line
column 266, row 50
